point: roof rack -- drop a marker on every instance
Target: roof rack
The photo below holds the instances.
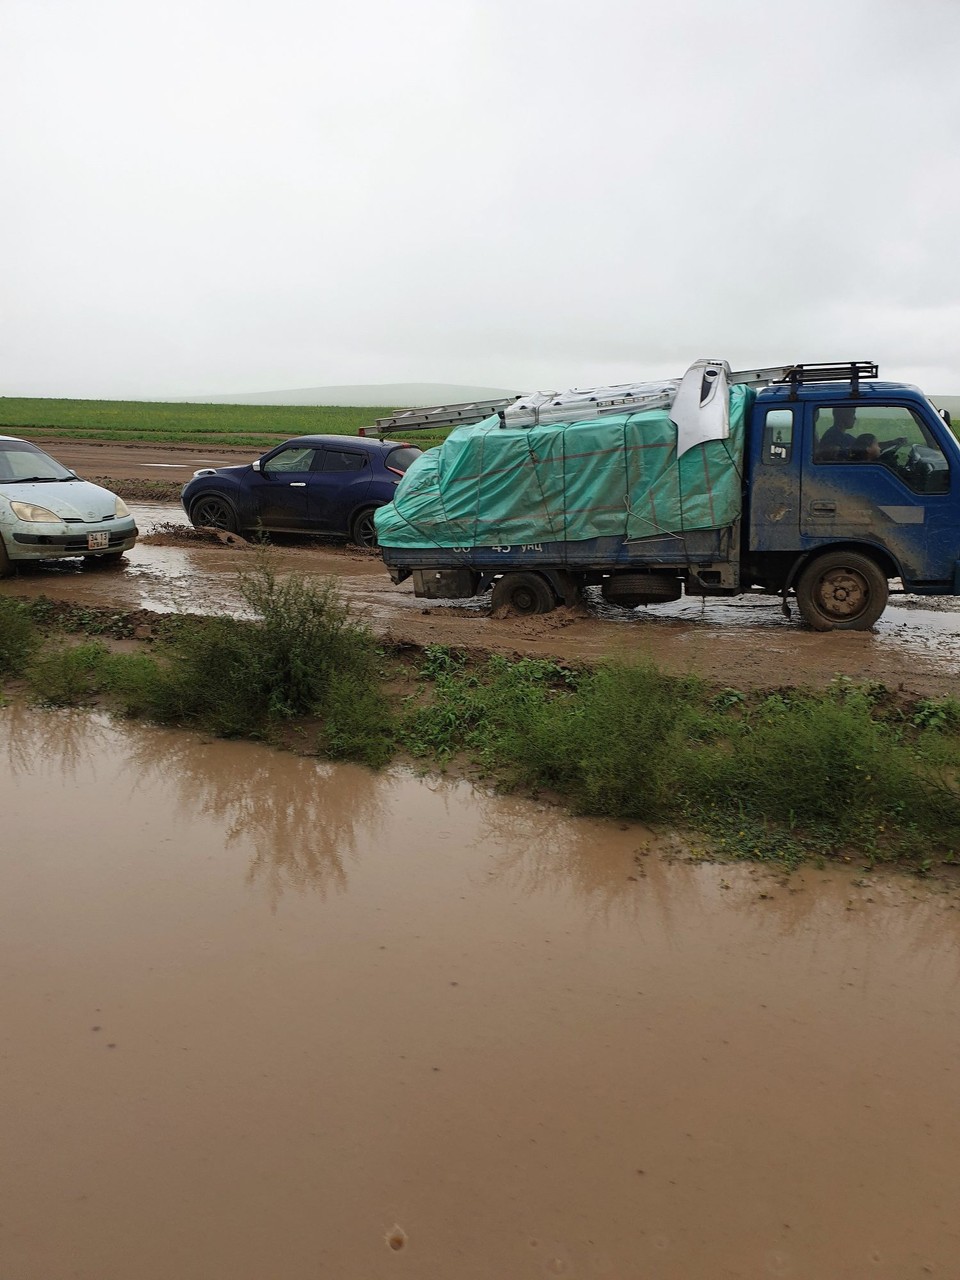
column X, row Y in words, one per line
column 797, row 375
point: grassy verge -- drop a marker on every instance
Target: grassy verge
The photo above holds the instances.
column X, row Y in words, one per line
column 779, row 776
column 258, row 427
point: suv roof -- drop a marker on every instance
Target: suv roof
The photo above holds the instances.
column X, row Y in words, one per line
column 352, row 442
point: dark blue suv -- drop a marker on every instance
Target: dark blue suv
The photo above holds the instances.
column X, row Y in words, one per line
column 313, row 484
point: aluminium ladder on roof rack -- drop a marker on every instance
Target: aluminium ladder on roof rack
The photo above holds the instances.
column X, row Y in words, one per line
column 437, row 416
column 572, row 406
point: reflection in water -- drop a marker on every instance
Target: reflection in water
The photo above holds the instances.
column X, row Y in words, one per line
column 305, row 821
column 301, row 817
column 51, row 741
column 627, row 873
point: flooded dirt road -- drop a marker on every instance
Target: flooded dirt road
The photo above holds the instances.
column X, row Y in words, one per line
column 745, row 643
column 286, row 1020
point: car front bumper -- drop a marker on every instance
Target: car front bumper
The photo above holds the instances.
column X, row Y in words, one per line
column 25, row 541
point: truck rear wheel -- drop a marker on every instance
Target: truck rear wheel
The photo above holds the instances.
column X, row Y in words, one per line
column 522, row 594
column 842, row 591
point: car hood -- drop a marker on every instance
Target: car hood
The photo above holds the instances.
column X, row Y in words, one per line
column 68, row 499
column 227, row 473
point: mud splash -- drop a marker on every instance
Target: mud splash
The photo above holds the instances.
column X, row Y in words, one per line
column 264, row 1017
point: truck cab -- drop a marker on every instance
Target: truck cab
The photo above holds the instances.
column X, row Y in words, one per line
column 849, row 485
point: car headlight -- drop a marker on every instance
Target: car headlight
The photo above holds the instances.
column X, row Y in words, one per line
column 28, row 511
column 121, row 509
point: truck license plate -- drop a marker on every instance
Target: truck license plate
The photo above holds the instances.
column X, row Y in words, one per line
column 96, row 541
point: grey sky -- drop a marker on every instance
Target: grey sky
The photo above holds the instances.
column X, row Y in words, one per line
column 235, row 195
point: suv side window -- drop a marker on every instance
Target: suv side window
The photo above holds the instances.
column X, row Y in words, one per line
column 887, row 435
column 297, row 459
column 343, row 460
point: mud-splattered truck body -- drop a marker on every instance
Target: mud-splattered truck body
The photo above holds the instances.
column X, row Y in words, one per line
column 824, row 483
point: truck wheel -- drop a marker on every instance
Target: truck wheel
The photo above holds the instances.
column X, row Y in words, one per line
column 842, row 591
column 522, row 594
column 210, row 511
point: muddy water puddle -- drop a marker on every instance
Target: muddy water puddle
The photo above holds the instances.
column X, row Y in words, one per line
column 266, row 1017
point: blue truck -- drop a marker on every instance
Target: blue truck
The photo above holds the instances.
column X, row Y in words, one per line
column 827, row 484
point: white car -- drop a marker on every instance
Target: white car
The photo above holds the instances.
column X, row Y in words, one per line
column 49, row 513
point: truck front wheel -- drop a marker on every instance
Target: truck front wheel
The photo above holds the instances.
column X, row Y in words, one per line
column 522, row 594
column 842, row 591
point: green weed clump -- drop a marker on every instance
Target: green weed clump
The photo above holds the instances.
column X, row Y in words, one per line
column 768, row 775
column 70, row 675
column 303, row 656
column 18, row 638
column 301, row 659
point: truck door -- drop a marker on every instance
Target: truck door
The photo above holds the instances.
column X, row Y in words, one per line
column 876, row 473
column 775, row 478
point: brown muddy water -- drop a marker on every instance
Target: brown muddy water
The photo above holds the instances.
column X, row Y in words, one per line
column 264, row 1017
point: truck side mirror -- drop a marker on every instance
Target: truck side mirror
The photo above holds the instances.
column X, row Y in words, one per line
column 945, row 415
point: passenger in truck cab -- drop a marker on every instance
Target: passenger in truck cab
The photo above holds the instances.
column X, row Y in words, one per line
column 867, row 448
column 839, row 443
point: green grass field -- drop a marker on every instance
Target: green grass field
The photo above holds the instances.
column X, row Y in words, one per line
column 148, row 422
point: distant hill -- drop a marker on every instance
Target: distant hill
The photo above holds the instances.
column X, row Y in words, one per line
column 397, row 395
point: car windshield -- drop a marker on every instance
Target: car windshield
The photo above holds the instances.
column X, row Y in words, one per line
column 400, row 459
column 21, row 463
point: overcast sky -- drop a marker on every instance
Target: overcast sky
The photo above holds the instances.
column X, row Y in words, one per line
column 206, row 196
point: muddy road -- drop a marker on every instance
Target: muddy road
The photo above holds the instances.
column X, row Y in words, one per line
column 748, row 643
column 275, row 1018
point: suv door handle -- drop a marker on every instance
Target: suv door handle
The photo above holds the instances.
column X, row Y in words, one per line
column 298, row 484
column 823, row 508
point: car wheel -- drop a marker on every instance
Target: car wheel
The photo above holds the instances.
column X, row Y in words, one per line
column 213, row 512
column 109, row 561
column 6, row 568
column 522, row 594
column 363, row 531
column 842, row 591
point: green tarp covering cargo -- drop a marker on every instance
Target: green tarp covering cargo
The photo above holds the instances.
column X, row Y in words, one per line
column 617, row 476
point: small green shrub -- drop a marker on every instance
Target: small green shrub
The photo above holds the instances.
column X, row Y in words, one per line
column 771, row 777
column 18, row 638
column 616, row 745
column 302, row 656
column 66, row 676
